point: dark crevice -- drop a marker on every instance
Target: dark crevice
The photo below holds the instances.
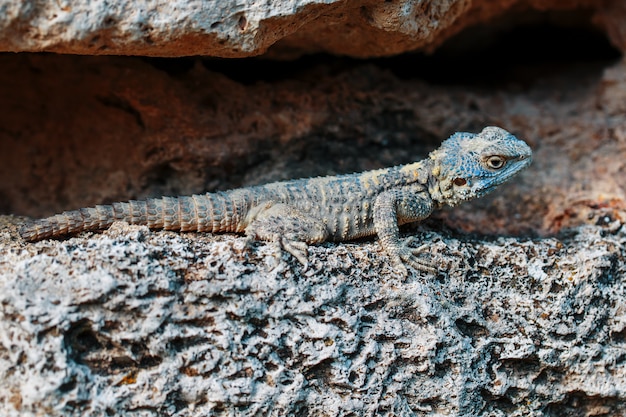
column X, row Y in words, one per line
column 471, row 329
column 124, row 105
column 519, row 48
column 87, row 346
column 174, row 402
column 80, row 340
column 498, row 402
column 578, row 403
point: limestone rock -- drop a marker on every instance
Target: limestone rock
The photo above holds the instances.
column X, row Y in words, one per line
column 526, row 317
column 132, row 322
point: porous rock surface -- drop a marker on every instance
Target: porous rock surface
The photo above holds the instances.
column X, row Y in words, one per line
column 236, row 28
column 131, row 322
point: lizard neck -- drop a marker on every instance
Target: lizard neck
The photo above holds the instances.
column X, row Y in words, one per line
column 439, row 188
column 415, row 173
column 423, row 172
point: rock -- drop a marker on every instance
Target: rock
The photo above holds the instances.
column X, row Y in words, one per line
column 133, row 321
column 238, row 28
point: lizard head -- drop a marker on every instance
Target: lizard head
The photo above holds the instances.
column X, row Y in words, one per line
column 470, row 165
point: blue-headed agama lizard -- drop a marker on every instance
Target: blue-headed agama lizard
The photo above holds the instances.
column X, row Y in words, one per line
column 295, row 213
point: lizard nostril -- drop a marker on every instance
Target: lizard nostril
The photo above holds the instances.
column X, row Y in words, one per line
column 459, row 181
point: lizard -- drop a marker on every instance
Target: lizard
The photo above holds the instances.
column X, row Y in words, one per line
column 293, row 214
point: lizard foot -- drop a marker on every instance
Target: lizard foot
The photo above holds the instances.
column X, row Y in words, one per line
column 298, row 249
column 407, row 255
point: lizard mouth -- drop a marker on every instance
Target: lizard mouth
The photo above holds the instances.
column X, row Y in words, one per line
column 514, row 165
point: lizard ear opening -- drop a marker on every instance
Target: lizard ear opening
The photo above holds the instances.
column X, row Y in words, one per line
column 459, row 181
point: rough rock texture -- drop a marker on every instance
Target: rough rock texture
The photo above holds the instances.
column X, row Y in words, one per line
column 237, row 28
column 135, row 323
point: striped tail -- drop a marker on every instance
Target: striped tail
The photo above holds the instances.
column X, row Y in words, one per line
column 215, row 212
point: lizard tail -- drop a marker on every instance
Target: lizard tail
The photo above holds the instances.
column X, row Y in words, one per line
column 215, row 212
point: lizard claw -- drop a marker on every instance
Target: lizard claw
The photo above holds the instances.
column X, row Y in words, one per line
column 297, row 248
column 407, row 255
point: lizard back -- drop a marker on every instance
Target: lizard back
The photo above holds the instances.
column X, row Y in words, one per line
column 343, row 203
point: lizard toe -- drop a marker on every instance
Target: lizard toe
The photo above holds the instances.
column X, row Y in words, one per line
column 298, row 249
column 421, row 264
column 411, row 256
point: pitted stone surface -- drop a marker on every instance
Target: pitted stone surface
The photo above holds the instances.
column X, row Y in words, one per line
column 132, row 322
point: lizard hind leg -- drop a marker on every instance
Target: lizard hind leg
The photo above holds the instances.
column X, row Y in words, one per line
column 289, row 228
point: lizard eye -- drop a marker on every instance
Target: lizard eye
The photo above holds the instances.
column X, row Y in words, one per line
column 495, row 162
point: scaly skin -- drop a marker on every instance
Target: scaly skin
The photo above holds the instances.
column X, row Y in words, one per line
column 296, row 213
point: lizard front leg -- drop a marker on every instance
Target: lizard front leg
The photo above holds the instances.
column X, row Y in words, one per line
column 399, row 206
